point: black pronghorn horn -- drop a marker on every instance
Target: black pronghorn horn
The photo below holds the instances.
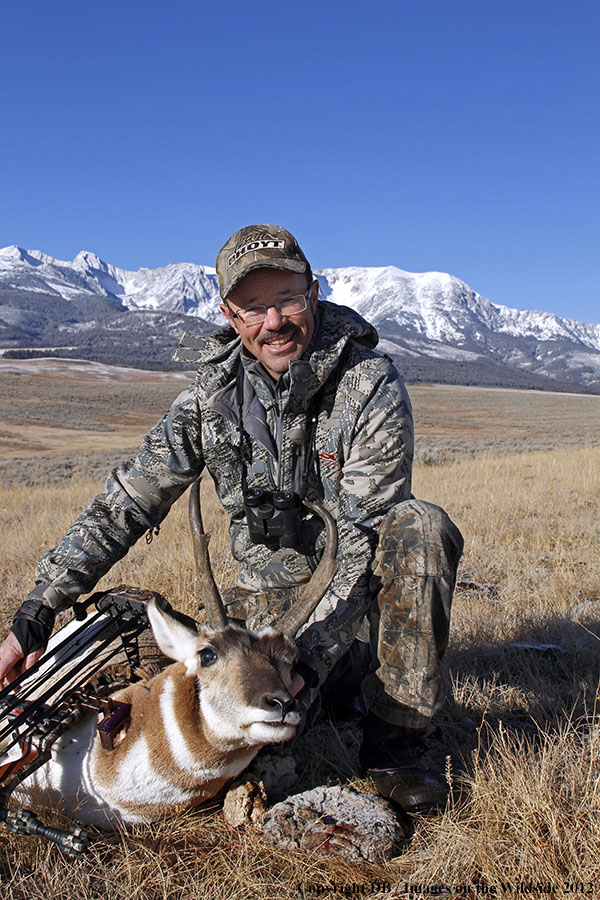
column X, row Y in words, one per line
column 292, row 620
column 216, row 617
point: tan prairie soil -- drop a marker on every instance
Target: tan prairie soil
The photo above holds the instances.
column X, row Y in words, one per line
column 32, row 440
column 496, row 418
column 71, row 408
column 85, row 370
column 52, row 407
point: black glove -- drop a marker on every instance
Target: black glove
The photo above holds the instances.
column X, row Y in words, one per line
column 33, row 624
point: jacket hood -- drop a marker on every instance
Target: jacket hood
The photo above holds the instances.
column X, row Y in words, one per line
column 338, row 321
column 335, row 327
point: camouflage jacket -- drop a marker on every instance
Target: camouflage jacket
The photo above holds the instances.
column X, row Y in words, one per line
column 341, row 415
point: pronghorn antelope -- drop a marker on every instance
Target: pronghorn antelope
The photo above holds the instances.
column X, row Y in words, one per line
column 196, row 724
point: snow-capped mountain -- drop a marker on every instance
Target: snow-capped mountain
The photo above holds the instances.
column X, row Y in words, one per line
column 182, row 287
column 441, row 307
column 419, row 315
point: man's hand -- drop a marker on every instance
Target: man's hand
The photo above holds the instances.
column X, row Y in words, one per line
column 31, row 628
column 12, row 662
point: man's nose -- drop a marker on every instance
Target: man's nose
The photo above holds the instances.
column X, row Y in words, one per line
column 273, row 319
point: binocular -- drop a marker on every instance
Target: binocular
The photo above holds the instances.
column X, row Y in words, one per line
column 273, row 517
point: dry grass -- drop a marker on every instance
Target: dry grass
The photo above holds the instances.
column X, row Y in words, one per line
column 518, row 737
column 67, row 409
column 59, row 414
column 453, row 421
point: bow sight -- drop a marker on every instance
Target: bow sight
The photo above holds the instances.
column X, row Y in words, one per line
column 63, row 686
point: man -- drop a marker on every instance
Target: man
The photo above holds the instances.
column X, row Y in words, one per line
column 292, row 397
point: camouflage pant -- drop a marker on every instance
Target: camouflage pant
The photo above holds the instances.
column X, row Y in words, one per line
column 414, row 576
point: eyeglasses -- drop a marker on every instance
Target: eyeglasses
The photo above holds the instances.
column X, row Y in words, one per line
column 255, row 315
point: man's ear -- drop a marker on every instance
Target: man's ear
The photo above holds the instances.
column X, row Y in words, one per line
column 314, row 294
column 225, row 310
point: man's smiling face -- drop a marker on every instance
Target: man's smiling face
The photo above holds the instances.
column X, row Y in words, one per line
column 279, row 338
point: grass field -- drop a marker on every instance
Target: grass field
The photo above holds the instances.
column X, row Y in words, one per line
column 518, row 737
column 84, row 418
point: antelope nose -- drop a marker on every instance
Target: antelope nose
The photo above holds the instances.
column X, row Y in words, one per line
column 285, row 705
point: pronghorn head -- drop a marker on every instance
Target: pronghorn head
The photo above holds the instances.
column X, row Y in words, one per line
column 242, row 677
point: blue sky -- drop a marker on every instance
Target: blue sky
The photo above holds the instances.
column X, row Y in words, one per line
column 452, row 135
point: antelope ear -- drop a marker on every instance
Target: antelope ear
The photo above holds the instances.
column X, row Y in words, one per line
column 175, row 634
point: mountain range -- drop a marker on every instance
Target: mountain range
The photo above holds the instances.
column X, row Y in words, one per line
column 433, row 324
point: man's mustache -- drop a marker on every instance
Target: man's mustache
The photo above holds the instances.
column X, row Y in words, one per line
column 282, row 332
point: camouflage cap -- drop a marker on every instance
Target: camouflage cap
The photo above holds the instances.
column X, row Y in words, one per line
column 254, row 247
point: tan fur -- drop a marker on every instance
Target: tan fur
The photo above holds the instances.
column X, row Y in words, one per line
column 147, row 719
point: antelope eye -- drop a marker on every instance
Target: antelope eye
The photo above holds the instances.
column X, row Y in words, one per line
column 207, row 656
